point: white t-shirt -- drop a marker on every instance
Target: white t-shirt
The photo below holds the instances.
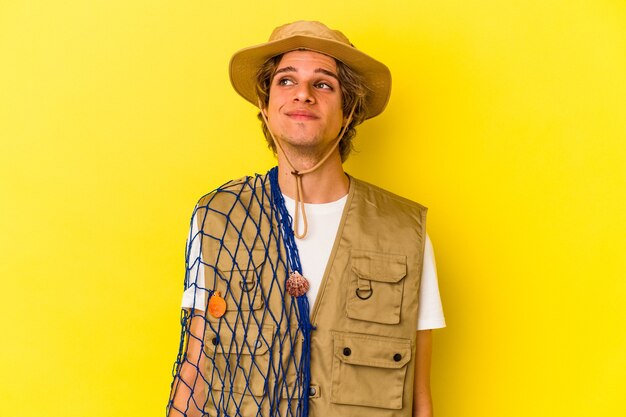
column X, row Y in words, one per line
column 323, row 223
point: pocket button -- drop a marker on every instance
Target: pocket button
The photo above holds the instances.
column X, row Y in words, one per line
column 347, row 351
column 397, row 357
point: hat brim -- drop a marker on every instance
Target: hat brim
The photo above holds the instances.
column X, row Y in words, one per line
column 245, row 63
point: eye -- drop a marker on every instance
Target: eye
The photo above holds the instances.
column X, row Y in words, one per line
column 285, row 81
column 324, row 85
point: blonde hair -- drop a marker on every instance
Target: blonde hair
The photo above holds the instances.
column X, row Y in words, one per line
column 353, row 94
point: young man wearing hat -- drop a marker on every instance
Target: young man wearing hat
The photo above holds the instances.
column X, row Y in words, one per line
column 305, row 286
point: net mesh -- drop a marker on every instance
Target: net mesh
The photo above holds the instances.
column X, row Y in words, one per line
column 254, row 360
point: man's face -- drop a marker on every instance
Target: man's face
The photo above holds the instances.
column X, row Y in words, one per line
column 305, row 109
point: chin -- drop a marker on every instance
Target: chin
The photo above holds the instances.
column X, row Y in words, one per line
column 305, row 141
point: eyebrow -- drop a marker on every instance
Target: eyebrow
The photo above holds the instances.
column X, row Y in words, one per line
column 329, row 73
column 318, row 70
column 285, row 69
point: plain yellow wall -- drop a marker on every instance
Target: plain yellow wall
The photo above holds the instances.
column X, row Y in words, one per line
column 507, row 119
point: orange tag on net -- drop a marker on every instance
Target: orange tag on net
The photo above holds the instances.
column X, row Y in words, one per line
column 217, row 305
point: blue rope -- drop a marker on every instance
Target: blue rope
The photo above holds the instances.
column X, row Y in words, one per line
column 294, row 265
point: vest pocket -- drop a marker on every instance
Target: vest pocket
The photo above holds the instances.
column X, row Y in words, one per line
column 376, row 286
column 239, row 362
column 369, row 370
column 238, row 277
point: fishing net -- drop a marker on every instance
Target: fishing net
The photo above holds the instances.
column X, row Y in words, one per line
column 254, row 360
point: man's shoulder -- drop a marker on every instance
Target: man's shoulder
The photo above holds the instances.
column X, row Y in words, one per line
column 371, row 191
column 234, row 190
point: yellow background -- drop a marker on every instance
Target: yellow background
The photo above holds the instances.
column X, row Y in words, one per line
column 507, row 119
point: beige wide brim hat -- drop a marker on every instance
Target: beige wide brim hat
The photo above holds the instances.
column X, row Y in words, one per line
column 314, row 36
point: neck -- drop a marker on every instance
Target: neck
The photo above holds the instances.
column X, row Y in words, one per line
column 326, row 184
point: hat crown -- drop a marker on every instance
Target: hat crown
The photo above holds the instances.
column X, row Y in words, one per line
column 308, row 28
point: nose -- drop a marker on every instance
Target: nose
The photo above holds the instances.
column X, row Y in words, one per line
column 303, row 93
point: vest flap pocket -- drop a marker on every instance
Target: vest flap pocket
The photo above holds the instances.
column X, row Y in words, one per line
column 238, row 277
column 381, row 267
column 369, row 371
column 376, row 286
column 238, row 362
column 236, row 257
column 372, row 351
column 250, row 342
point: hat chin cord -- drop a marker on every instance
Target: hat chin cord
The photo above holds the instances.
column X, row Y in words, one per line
column 298, row 174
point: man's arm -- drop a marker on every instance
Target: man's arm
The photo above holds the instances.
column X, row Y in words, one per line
column 422, row 401
column 188, row 390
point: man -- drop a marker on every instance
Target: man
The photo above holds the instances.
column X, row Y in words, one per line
column 263, row 250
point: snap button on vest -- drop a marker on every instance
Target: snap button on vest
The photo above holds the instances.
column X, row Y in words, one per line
column 214, row 341
column 397, row 357
column 347, row 351
column 312, row 391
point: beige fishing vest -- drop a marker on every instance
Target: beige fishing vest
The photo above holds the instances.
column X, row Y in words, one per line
column 363, row 348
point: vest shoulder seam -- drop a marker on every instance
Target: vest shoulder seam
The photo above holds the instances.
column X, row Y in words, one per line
column 389, row 194
column 241, row 185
